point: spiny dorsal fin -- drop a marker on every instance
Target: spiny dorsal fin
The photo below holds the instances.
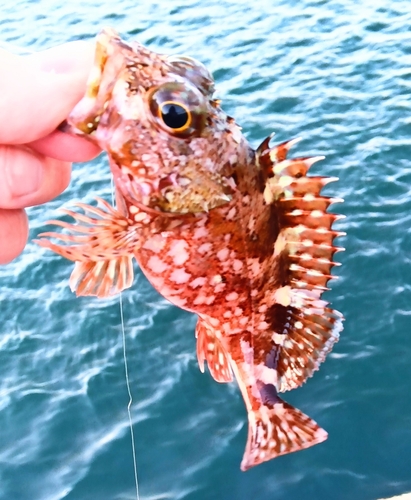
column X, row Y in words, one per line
column 210, row 349
column 102, row 246
column 305, row 247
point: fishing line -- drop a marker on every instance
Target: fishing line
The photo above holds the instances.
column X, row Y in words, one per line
column 130, row 401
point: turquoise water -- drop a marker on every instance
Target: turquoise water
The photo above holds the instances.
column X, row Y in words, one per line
column 337, row 74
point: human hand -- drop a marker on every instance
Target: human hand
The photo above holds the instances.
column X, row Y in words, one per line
column 37, row 92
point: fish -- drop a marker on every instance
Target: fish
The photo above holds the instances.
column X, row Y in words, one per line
column 241, row 237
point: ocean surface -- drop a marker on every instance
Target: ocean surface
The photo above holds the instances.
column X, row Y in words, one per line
column 337, row 74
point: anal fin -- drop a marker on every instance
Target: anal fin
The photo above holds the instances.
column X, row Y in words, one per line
column 210, row 349
column 101, row 245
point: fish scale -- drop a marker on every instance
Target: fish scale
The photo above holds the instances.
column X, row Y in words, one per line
column 241, row 238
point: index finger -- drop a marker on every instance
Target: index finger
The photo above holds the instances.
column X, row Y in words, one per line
column 38, row 91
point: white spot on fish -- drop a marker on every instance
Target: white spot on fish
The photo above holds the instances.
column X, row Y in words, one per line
column 178, row 252
column 255, row 267
column 227, row 314
column 199, row 300
column 140, row 217
column 219, row 287
column 227, row 328
column 237, row 265
column 210, row 299
column 222, row 254
column 156, row 265
column 248, row 352
column 231, row 214
column 214, row 321
column 278, row 338
column 200, row 281
column 305, row 256
column 309, row 197
column 231, row 296
column 200, row 232
column 314, row 272
column 283, row 296
column 280, row 244
column 317, row 213
column 238, row 311
column 251, row 224
column 179, row 276
column 268, row 194
column 155, row 243
column 285, row 180
column 204, row 248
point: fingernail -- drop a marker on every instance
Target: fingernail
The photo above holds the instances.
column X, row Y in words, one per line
column 23, row 181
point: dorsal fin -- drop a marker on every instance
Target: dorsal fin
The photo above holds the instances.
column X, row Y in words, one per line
column 308, row 328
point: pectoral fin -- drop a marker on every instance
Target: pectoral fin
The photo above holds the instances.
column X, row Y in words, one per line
column 101, row 244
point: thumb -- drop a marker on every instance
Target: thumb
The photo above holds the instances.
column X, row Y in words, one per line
column 38, row 91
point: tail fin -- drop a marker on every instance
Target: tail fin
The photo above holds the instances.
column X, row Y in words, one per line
column 276, row 430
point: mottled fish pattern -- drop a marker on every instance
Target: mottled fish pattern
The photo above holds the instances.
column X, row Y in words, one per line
column 240, row 237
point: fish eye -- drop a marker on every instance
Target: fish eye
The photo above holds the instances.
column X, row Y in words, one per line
column 175, row 115
column 178, row 108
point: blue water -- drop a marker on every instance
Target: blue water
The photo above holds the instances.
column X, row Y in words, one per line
column 337, row 74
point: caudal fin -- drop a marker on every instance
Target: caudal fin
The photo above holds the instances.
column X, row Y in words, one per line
column 276, row 430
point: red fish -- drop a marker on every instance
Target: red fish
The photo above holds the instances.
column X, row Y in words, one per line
column 240, row 237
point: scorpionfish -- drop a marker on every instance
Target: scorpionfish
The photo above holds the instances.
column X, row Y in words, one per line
column 238, row 236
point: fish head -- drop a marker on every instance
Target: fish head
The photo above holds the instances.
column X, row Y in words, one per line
column 171, row 146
